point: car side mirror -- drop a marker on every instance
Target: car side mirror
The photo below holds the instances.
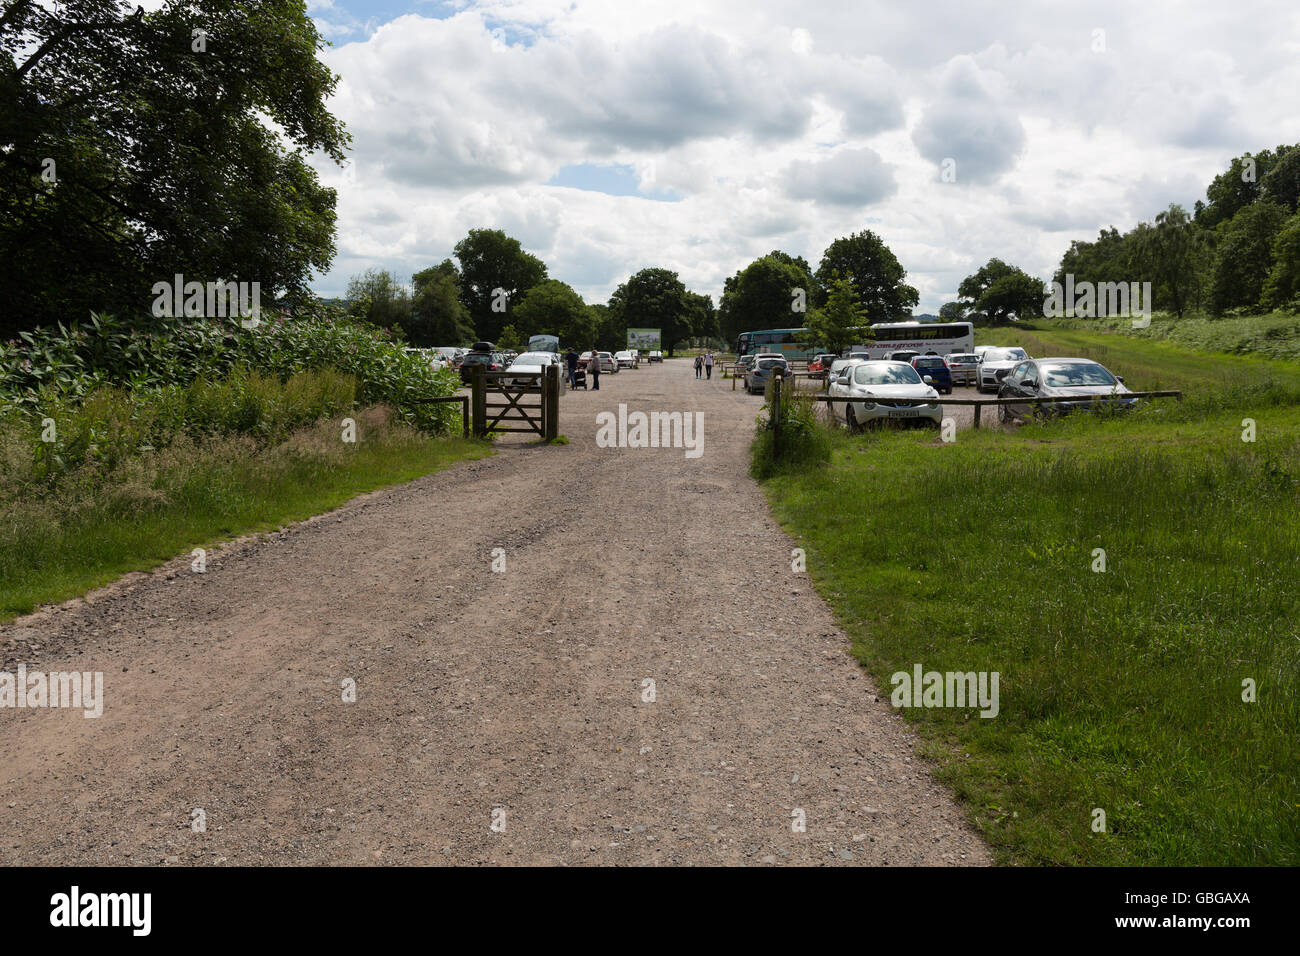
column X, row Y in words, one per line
column 927, row 379
column 1120, row 379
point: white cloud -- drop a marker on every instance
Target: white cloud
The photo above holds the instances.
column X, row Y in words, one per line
column 785, row 125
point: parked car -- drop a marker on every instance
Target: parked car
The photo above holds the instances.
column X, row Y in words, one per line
column 625, row 359
column 902, row 355
column 934, row 371
column 840, row 364
column 655, row 356
column 994, row 365
column 761, row 371
column 821, row 363
column 1061, row 378
column 884, row 391
column 963, row 367
column 492, row 361
column 531, row 362
column 607, row 363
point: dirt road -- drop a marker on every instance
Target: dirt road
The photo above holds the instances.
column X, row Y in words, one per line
column 520, row 698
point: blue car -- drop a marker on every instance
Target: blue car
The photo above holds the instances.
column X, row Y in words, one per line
column 934, row 370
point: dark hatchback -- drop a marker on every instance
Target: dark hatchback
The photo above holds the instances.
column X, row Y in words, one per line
column 934, row 370
column 492, row 361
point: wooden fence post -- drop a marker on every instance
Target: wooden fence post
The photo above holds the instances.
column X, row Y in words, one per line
column 776, row 414
column 478, row 399
column 551, row 403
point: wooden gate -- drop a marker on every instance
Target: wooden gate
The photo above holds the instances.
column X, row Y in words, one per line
column 498, row 403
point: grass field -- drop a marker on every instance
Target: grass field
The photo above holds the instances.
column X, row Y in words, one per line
column 193, row 494
column 1121, row 690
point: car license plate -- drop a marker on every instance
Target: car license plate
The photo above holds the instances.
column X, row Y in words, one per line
column 903, row 413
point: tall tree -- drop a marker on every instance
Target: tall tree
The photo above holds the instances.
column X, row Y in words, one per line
column 1236, row 188
column 494, row 271
column 876, row 274
column 438, row 317
column 998, row 292
column 134, row 146
column 772, row 292
column 1244, row 256
column 839, row 323
column 952, row 312
column 552, row 307
column 653, row 299
column 1172, row 252
column 1282, row 287
column 376, row 296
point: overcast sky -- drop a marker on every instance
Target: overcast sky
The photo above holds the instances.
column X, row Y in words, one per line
column 697, row 135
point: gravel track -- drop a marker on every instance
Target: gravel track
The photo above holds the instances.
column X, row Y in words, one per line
column 481, row 691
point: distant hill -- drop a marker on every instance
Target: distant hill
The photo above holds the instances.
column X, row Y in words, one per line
column 925, row 317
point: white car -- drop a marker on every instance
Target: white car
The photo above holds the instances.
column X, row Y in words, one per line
column 625, row 359
column 655, row 356
column 531, row 362
column 994, row 365
column 607, row 363
column 840, row 364
column 884, row 391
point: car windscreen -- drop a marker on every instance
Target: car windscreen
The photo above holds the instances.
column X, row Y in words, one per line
column 1075, row 373
column 929, row 363
column 533, row 358
column 476, row 358
column 771, row 363
column 1005, row 355
column 962, row 359
column 885, row 375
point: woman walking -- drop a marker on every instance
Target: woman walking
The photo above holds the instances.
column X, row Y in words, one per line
column 708, row 364
column 699, row 364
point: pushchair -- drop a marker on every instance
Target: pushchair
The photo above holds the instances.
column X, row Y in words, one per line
column 580, row 377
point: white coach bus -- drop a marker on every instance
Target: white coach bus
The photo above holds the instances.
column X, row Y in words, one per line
column 942, row 338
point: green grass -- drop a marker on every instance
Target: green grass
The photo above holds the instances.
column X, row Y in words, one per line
column 1148, row 365
column 194, row 494
column 1120, row 690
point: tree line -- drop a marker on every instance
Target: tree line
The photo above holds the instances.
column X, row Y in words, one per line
column 1237, row 252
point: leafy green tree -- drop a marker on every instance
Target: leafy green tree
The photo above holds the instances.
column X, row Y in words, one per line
column 1282, row 287
column 1282, row 183
column 1235, row 189
column 653, row 299
column 609, row 329
column 702, row 316
column 553, row 308
column 952, row 312
column 772, row 292
column 998, row 292
column 377, row 297
column 839, row 323
column 865, row 260
column 132, row 149
column 1244, row 256
column 438, row 317
column 490, row 261
column 1172, row 254
column 511, row 338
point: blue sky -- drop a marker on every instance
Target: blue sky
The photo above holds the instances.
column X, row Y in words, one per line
column 696, row 135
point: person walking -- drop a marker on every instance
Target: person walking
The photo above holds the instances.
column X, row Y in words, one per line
column 593, row 369
column 708, row 364
column 571, row 363
column 699, row 365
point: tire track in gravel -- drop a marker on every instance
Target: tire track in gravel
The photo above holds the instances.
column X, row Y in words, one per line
column 476, row 690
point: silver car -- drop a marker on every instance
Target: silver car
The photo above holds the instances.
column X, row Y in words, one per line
column 884, row 391
column 994, row 365
column 761, row 371
column 1061, row 378
column 964, row 366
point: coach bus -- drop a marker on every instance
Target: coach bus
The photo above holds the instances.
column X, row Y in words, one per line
column 794, row 344
column 942, row 338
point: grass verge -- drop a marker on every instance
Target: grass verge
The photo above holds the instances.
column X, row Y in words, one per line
column 1120, row 690
column 193, row 493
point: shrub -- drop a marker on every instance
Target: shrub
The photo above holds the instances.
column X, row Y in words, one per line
column 804, row 441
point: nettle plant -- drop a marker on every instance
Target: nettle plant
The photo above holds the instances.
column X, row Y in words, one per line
column 67, row 363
